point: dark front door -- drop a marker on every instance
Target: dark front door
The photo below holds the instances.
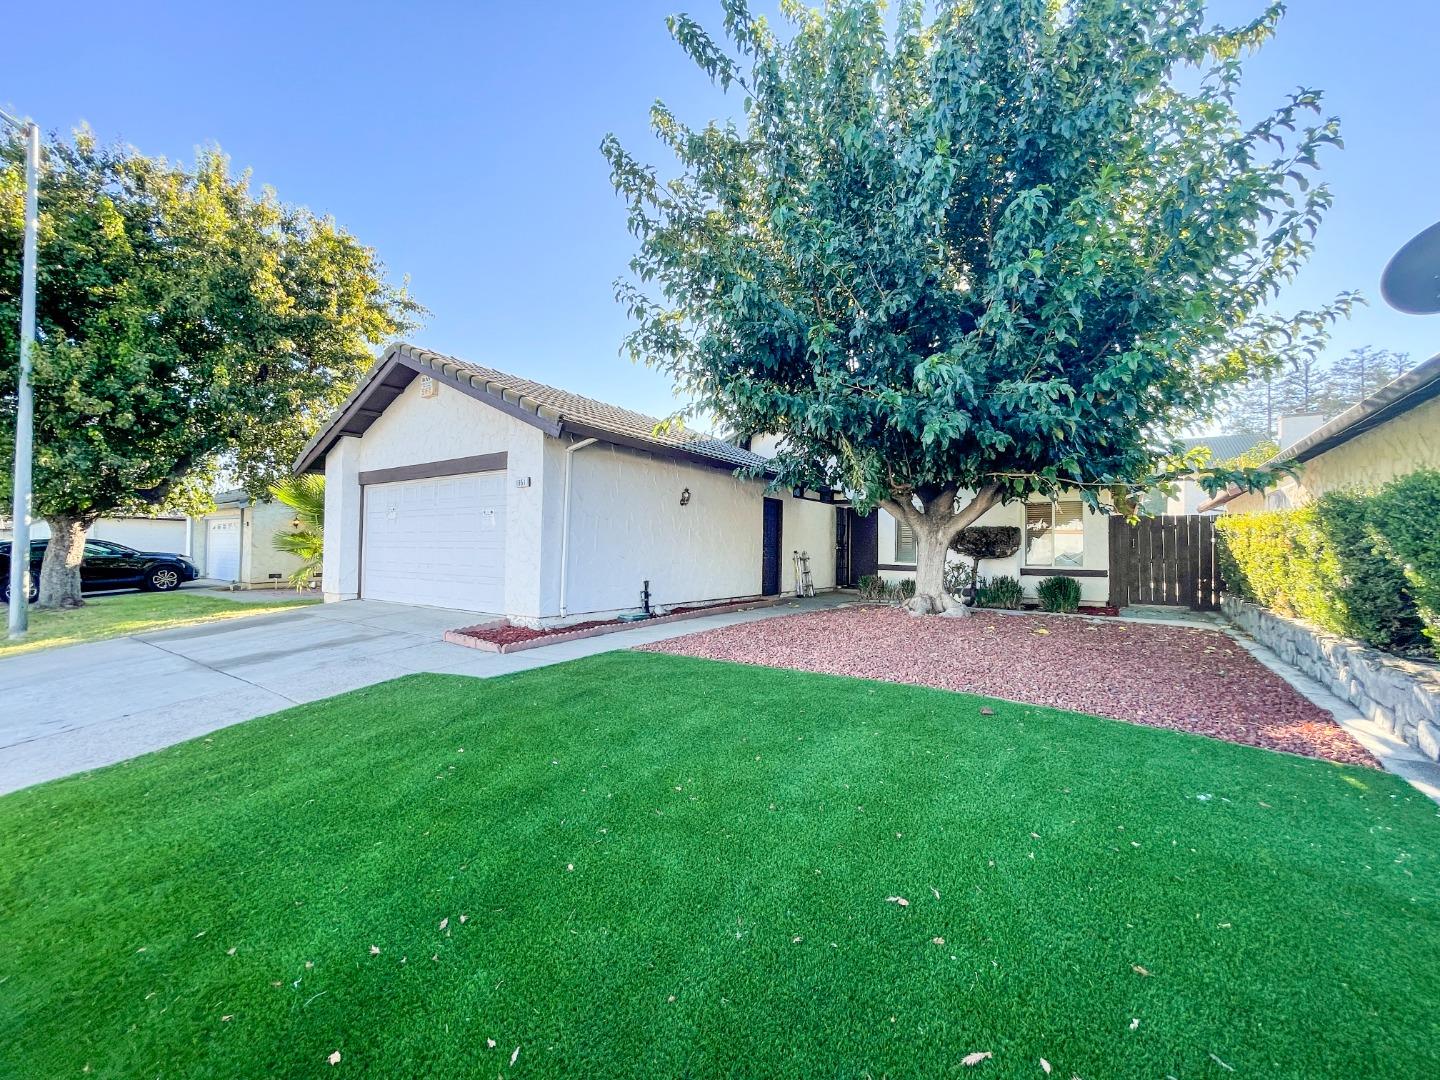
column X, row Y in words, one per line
column 770, row 547
column 864, row 545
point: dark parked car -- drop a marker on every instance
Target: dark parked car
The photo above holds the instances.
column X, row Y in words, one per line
column 108, row 565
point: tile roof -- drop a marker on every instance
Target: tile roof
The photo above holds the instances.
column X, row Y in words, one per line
column 548, row 407
column 1224, row 447
column 556, row 404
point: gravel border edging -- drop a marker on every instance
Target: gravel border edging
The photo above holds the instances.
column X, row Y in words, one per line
column 458, row 637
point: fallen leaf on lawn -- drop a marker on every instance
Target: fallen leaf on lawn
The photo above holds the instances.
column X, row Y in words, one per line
column 935, row 891
column 937, row 941
column 985, row 710
column 444, row 922
column 1045, row 1065
column 570, row 866
column 1138, row 969
column 230, row 952
column 311, row 963
column 464, row 918
column 976, row 1058
column 227, row 1019
column 334, row 1059
column 374, row 950
column 1134, row 1023
column 490, row 1043
column 515, row 1055
column 897, row 900
column 796, row 940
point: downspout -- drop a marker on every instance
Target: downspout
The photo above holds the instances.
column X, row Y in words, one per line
column 565, row 522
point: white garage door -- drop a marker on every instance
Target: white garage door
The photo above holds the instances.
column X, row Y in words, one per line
column 437, row 542
column 222, row 549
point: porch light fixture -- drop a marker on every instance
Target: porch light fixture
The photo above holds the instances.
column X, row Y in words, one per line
column 685, row 497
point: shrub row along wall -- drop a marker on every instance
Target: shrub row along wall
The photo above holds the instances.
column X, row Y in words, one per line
column 1363, row 565
column 1401, row 696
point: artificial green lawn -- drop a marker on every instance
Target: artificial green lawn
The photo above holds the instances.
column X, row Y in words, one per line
column 659, row 866
column 132, row 613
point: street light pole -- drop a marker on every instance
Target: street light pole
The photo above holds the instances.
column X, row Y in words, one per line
column 24, row 395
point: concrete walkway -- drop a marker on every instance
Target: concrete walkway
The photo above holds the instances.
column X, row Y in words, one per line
column 83, row 706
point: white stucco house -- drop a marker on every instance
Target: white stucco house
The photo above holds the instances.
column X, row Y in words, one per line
column 453, row 485
column 161, row 532
column 235, row 542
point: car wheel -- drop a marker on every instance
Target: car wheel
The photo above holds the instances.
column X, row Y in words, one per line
column 34, row 590
column 162, row 579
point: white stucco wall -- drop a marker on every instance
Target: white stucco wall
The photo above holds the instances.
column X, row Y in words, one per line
column 627, row 526
column 142, row 534
column 626, row 520
column 1093, row 590
column 415, row 430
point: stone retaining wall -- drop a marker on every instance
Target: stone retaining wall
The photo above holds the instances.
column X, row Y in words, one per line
column 1402, row 696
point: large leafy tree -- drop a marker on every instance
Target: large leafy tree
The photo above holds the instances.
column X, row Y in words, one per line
column 1003, row 249
column 184, row 321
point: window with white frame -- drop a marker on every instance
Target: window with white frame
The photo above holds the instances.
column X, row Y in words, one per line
column 1055, row 533
column 904, row 543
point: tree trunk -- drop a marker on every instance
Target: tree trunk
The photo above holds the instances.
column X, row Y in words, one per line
column 60, row 572
column 935, row 525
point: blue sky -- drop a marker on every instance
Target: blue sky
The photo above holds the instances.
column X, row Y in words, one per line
column 461, row 140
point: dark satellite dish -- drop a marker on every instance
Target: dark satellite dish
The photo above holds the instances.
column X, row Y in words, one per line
column 1411, row 282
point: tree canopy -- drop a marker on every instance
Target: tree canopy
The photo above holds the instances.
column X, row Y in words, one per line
column 182, row 318
column 1003, row 249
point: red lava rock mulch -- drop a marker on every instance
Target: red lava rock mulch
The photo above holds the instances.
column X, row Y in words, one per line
column 1181, row 678
column 510, row 634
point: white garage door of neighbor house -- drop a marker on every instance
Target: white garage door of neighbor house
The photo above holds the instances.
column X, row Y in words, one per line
column 437, row 542
column 222, row 549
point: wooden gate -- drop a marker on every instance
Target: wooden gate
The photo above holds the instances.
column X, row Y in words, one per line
column 1164, row 560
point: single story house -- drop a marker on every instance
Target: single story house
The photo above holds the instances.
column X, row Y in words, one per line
column 163, row 532
column 235, row 542
column 1393, row 432
column 453, row 485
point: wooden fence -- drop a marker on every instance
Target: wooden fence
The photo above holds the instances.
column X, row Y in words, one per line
column 1164, row 560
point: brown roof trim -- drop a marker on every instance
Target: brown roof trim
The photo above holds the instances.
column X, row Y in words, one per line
column 388, row 379
column 1417, row 386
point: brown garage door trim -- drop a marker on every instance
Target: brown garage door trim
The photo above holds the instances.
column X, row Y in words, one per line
column 429, row 469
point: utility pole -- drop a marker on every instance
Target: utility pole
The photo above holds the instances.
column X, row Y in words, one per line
column 24, row 395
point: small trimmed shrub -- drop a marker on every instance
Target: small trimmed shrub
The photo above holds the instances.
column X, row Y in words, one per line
column 984, row 542
column 873, row 588
column 1350, row 562
column 1060, row 594
column 958, row 579
column 1001, row 591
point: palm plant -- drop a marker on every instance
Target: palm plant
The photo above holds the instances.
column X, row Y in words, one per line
column 306, row 496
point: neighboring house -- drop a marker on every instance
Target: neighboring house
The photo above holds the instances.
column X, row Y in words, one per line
column 165, row 532
column 235, row 542
column 457, row 486
column 1393, row 432
column 1188, row 494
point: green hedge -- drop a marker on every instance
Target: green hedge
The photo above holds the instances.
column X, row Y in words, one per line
column 1365, row 565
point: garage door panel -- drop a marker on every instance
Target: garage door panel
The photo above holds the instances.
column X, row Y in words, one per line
column 438, row 542
column 222, row 549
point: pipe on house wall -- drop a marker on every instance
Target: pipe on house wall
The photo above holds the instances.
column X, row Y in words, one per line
column 565, row 522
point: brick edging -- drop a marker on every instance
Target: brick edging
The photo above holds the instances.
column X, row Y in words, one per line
column 456, row 637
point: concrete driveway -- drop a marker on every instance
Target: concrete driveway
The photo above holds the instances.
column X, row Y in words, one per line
column 83, row 706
